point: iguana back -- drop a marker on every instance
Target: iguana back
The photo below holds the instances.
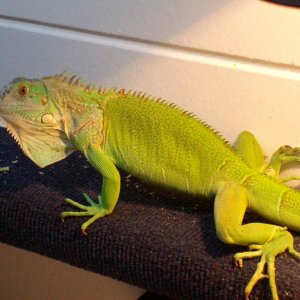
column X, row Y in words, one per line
column 163, row 144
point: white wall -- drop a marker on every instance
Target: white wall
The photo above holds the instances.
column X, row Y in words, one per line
column 235, row 63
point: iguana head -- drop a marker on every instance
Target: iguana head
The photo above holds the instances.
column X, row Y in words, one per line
column 33, row 120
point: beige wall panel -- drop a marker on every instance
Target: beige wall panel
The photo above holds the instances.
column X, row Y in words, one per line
column 29, row 276
column 253, row 29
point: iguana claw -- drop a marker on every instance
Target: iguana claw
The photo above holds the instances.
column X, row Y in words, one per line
column 268, row 252
column 282, row 156
column 94, row 210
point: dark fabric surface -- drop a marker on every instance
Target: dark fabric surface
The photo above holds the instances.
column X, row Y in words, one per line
column 152, row 239
column 152, row 296
column 295, row 3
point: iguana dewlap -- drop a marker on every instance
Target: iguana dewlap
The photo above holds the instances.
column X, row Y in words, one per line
column 162, row 144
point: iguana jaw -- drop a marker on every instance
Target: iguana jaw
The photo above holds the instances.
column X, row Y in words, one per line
column 44, row 144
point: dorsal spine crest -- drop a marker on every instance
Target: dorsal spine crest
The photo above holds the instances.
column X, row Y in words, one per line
column 89, row 88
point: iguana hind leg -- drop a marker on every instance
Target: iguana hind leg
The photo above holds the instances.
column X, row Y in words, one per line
column 281, row 242
column 266, row 240
column 109, row 192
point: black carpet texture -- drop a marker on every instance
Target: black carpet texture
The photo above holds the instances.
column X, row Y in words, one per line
column 155, row 240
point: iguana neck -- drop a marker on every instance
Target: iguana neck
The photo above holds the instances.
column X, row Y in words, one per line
column 80, row 110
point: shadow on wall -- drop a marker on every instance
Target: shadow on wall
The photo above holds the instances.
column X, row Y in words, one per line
column 50, row 36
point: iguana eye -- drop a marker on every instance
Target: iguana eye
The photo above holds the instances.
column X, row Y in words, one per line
column 23, row 90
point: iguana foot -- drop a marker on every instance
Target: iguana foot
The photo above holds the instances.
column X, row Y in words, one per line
column 283, row 155
column 94, row 209
column 283, row 241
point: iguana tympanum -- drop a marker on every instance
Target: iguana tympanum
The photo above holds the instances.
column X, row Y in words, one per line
column 162, row 144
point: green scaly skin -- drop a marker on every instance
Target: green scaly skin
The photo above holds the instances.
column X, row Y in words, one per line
column 160, row 144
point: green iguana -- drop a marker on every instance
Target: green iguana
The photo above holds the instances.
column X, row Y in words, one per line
column 162, row 144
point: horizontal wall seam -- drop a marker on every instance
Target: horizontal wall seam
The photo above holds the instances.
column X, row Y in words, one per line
column 223, row 60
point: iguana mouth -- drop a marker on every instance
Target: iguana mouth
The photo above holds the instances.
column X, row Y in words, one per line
column 3, row 122
column 4, row 91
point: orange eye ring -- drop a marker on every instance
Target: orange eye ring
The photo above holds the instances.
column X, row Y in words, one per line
column 23, row 90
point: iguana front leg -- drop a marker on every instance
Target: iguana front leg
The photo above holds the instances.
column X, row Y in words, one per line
column 284, row 155
column 270, row 240
column 109, row 192
column 249, row 149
